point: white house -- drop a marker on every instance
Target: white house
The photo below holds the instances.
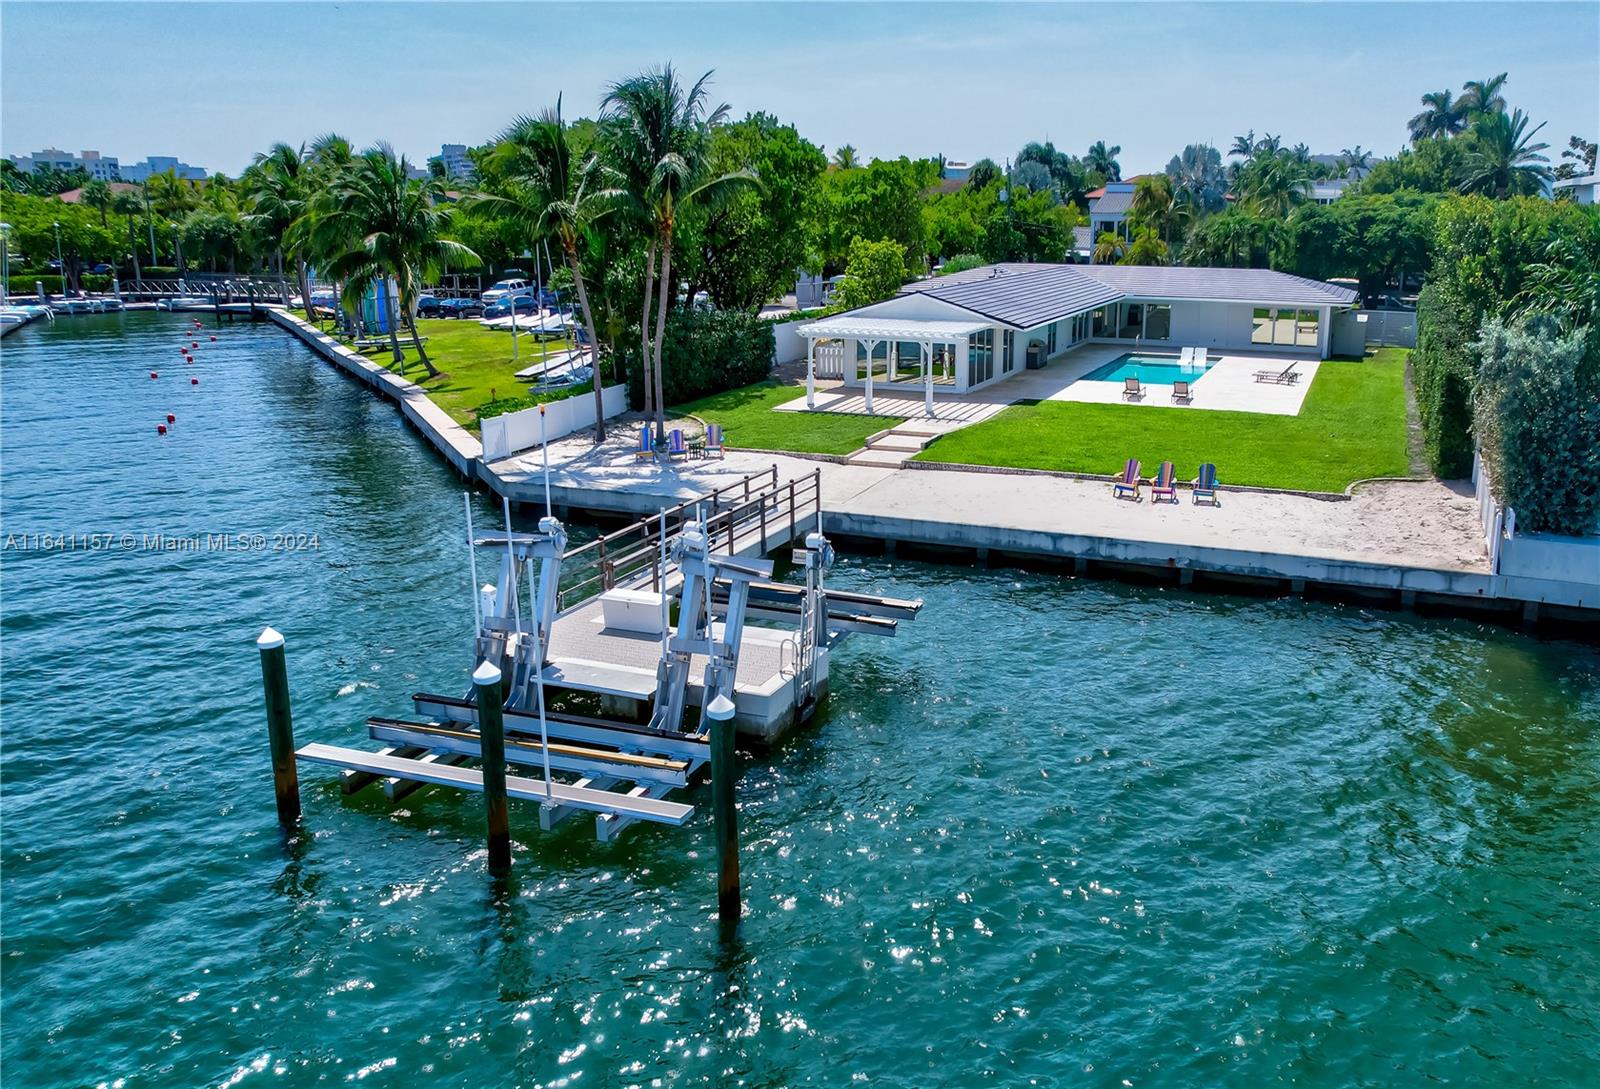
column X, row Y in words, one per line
column 975, row 328
column 1585, row 190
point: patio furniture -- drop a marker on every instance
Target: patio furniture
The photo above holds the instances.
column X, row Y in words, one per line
column 675, row 445
column 1286, row 377
column 1186, row 357
column 1205, row 485
column 1180, row 392
column 1199, row 356
column 1129, row 481
column 1165, row 483
column 1131, row 390
column 646, row 448
column 714, row 440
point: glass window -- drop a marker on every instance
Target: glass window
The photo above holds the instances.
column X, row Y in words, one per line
column 1105, row 322
column 980, row 357
column 1007, row 343
column 1050, row 341
column 1305, row 330
column 1132, row 322
column 1261, row 326
column 908, row 355
column 1158, row 322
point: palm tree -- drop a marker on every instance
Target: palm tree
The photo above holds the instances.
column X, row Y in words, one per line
column 97, row 195
column 1273, row 184
column 1441, row 115
column 172, row 198
column 1108, row 248
column 659, row 134
column 1244, row 146
column 1503, row 159
column 554, row 199
column 1146, row 249
column 1356, row 160
column 126, row 204
column 1102, row 160
column 844, row 157
column 1155, row 207
column 1480, row 96
column 383, row 223
column 276, row 191
column 1197, row 177
column 984, row 172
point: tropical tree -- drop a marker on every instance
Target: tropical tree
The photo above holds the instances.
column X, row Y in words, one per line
column 659, row 133
column 1481, row 96
column 1108, row 248
column 1355, row 161
column 97, row 195
column 1198, row 179
column 1581, row 154
column 1274, row 181
column 1504, row 159
column 130, row 206
column 277, row 190
column 554, row 199
column 983, row 174
column 1066, row 172
column 171, row 198
column 1147, row 248
column 844, row 157
column 1155, row 206
column 379, row 222
column 1102, row 160
column 1441, row 115
column 875, row 272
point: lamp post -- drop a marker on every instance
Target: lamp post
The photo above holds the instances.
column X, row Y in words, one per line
column 5, row 261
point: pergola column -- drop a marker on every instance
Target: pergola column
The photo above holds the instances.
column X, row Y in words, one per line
column 811, row 372
column 927, row 375
column 872, row 346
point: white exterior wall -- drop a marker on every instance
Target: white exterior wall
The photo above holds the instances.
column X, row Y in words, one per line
column 1223, row 325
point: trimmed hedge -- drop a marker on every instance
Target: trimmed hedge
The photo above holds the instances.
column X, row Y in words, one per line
column 1444, row 368
column 707, row 352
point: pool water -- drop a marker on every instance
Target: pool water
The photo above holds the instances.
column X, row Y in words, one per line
column 1058, row 831
column 1150, row 370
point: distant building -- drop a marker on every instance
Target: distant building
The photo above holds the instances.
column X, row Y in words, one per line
column 955, row 171
column 1585, row 190
column 1108, row 210
column 456, row 162
column 103, row 167
column 1329, row 190
column 161, row 164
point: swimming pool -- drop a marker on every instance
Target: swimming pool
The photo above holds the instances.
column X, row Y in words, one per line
column 1160, row 370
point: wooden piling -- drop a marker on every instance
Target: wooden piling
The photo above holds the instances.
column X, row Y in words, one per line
column 725, row 814
column 492, row 746
column 280, row 726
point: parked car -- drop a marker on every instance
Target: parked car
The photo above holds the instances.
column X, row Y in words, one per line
column 103, row 268
column 427, row 306
column 460, row 308
column 524, row 304
column 503, row 288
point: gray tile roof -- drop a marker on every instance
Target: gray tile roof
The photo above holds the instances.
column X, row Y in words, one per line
column 1082, row 238
column 1110, row 204
column 1029, row 296
column 1256, row 285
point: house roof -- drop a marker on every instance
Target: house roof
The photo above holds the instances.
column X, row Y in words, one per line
column 1111, row 204
column 1082, row 239
column 75, row 196
column 1227, row 284
column 1020, row 295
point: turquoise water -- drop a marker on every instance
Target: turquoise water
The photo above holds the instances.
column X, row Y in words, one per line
column 1148, row 369
column 1059, row 831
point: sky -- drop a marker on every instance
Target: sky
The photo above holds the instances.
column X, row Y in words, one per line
column 214, row 83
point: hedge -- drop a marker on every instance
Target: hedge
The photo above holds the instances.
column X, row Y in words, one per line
column 707, row 352
column 90, row 281
column 1443, row 369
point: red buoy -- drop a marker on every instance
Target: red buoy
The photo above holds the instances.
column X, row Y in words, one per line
column 213, row 336
column 171, row 419
column 152, row 374
column 194, row 381
column 161, row 429
column 194, row 344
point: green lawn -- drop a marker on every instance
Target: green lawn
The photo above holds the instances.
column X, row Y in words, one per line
column 1352, row 425
column 475, row 364
column 747, row 416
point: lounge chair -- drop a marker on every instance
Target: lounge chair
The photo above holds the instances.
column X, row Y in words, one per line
column 1286, row 377
column 1131, row 390
column 1165, row 483
column 1128, row 482
column 1186, row 357
column 1205, row 485
column 675, row 445
column 1199, row 357
column 714, row 440
column 1180, row 392
column 646, row 448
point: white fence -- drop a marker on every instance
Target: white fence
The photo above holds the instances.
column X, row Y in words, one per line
column 1536, row 566
column 829, row 359
column 1390, row 328
column 505, row 435
column 788, row 346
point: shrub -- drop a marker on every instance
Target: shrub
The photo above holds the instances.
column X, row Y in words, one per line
column 800, row 315
column 961, row 262
column 1443, row 368
column 706, row 352
column 1537, row 416
column 502, row 405
column 874, row 273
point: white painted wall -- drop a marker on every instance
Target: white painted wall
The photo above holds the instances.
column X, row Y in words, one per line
column 505, row 435
column 788, row 346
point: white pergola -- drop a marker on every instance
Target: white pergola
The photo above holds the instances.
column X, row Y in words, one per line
column 874, row 331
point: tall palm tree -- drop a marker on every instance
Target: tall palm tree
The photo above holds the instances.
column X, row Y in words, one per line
column 172, row 198
column 1504, row 160
column 844, row 157
column 1243, row 146
column 382, row 223
column 1102, row 160
column 1356, row 160
column 128, row 205
column 1441, row 115
column 1273, row 184
column 276, row 188
column 1108, row 248
column 1479, row 96
column 659, row 133
column 97, row 195
column 554, row 199
column 1154, row 206
column 1197, row 177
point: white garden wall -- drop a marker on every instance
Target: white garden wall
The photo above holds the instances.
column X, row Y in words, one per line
column 505, row 435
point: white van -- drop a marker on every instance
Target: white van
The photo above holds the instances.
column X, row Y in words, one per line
column 507, row 287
